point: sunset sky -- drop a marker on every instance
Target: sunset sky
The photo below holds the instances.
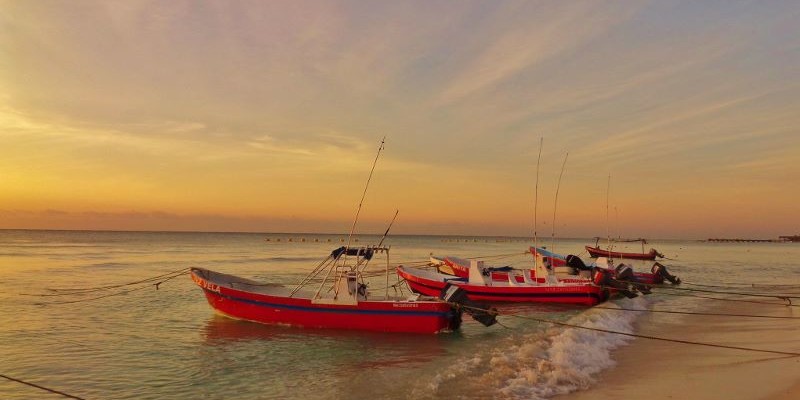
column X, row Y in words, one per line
column 266, row 116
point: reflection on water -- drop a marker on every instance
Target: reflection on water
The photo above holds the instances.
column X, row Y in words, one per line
column 394, row 349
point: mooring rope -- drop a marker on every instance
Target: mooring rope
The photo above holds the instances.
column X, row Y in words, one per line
column 774, row 296
column 696, row 313
column 42, row 387
column 659, row 338
column 70, row 291
column 734, row 300
column 744, row 285
column 156, row 285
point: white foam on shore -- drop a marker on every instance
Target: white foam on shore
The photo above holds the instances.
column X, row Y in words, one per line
column 544, row 363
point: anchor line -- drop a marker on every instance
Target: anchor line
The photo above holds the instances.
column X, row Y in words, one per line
column 697, row 313
column 734, row 300
column 121, row 292
column 41, row 387
column 671, row 287
column 659, row 338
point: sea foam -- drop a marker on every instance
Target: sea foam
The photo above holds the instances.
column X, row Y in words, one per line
column 544, row 362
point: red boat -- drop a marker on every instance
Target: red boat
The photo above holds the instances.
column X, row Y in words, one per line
column 460, row 267
column 335, row 295
column 347, row 306
column 595, row 252
column 480, row 287
column 658, row 273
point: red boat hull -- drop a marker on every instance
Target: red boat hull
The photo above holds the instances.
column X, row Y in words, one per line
column 595, row 252
column 382, row 316
column 572, row 294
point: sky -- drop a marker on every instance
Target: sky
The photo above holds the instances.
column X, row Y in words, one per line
column 267, row 116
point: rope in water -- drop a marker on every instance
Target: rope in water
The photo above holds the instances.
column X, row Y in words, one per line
column 121, row 292
column 70, row 291
column 663, row 339
column 42, row 387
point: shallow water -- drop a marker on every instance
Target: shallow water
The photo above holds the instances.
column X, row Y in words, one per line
column 168, row 343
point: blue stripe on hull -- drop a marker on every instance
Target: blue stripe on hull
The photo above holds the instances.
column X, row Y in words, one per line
column 404, row 312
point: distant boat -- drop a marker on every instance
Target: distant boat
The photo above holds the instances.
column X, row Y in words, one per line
column 595, row 252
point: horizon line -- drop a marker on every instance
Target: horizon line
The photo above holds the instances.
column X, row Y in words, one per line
column 306, row 233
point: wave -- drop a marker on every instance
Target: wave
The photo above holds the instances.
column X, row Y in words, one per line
column 542, row 363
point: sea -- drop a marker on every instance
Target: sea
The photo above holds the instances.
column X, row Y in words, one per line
column 139, row 341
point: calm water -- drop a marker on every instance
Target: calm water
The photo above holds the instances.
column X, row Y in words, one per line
column 168, row 344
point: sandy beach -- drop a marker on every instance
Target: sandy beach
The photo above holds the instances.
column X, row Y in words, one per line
column 663, row 370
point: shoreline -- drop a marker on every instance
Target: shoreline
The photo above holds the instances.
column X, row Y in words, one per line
column 666, row 370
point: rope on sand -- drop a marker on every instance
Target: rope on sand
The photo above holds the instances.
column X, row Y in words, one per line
column 663, row 339
column 697, row 313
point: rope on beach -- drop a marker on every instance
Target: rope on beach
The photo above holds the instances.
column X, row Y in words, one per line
column 775, row 296
column 784, row 297
column 663, row 339
column 42, row 387
column 732, row 285
column 723, row 299
column 696, row 313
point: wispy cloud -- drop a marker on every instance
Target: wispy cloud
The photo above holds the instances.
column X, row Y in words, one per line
column 221, row 108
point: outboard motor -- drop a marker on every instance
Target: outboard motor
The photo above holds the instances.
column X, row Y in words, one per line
column 577, row 263
column 603, row 277
column 660, row 270
column 654, row 251
column 624, row 273
column 478, row 311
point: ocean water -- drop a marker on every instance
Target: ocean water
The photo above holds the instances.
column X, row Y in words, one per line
column 169, row 344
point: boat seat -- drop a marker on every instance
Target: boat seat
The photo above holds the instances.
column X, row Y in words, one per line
column 526, row 276
column 512, row 278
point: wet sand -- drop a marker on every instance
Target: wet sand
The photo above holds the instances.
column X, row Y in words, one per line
column 662, row 370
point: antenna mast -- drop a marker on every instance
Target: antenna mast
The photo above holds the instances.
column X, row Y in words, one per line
column 536, row 196
column 353, row 228
column 608, row 221
column 558, row 186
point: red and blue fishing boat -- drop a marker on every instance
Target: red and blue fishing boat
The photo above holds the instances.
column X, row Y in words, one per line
column 343, row 302
column 335, row 294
